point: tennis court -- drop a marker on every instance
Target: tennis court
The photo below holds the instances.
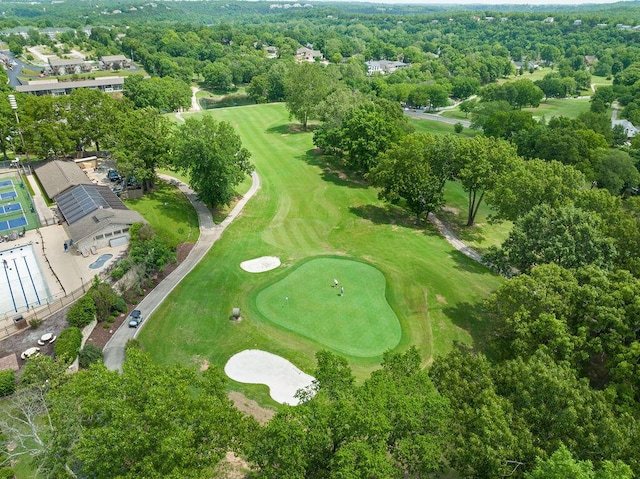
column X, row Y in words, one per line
column 10, row 208
column 13, row 223
column 16, row 208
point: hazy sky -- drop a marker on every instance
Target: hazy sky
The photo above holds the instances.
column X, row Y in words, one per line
column 493, row 2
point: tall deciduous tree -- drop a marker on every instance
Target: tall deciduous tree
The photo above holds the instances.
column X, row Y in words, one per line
column 306, row 85
column 392, row 426
column 528, row 183
column 410, row 170
column 91, row 114
column 480, row 162
column 567, row 236
column 149, row 421
column 141, row 143
column 370, row 129
column 211, row 153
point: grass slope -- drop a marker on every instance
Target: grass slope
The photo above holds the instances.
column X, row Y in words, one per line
column 170, row 213
column 306, row 209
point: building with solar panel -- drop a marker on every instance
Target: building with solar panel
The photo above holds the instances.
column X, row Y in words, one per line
column 92, row 215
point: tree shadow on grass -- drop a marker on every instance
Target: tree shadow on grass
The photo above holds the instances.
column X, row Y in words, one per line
column 457, row 224
column 390, row 215
column 473, row 318
column 289, row 129
column 334, row 171
column 464, row 263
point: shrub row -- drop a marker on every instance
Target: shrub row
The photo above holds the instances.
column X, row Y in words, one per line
column 82, row 312
column 68, row 344
column 7, row 382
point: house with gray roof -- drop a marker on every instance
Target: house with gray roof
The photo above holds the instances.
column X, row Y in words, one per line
column 384, row 66
column 629, row 128
column 56, row 88
column 305, row 54
column 95, row 216
column 57, row 176
column 114, row 62
column 60, row 66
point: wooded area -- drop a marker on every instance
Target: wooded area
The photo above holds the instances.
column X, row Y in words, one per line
column 553, row 392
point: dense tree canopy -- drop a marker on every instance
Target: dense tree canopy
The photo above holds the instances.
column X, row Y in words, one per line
column 211, row 153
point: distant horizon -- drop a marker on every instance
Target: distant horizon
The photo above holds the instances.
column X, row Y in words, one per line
column 536, row 3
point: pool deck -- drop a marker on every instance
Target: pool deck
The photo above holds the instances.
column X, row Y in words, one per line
column 65, row 272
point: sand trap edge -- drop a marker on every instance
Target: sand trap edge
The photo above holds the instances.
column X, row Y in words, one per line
column 260, row 265
column 281, row 376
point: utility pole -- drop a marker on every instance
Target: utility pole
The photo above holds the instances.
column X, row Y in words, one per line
column 14, row 107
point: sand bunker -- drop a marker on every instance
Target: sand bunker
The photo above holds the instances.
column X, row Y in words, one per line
column 260, row 265
column 260, row 367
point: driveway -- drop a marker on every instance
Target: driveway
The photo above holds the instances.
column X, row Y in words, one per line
column 113, row 352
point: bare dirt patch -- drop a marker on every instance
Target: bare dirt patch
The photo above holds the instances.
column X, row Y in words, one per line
column 248, row 406
column 204, row 365
column 441, row 299
column 232, row 467
column 451, row 209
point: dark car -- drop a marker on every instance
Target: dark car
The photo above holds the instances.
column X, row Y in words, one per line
column 113, row 175
column 135, row 318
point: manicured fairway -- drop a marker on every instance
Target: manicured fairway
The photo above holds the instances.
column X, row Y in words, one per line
column 359, row 322
column 307, row 209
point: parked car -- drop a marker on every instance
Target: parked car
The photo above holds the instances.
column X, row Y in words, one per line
column 113, row 175
column 135, row 318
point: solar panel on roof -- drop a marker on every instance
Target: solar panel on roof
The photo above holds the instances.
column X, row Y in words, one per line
column 78, row 202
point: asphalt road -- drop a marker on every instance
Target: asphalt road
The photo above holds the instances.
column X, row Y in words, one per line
column 431, row 116
column 113, row 351
column 17, row 69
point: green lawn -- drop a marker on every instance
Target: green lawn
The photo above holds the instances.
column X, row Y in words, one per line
column 439, row 128
column 456, row 113
column 482, row 234
column 170, row 213
column 306, row 301
column 569, row 107
column 307, row 209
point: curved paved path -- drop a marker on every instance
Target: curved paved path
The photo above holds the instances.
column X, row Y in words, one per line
column 453, row 239
column 113, row 351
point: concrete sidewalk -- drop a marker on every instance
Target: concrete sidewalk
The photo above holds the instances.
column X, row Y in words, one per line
column 113, row 351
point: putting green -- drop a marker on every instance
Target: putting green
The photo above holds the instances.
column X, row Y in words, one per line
column 359, row 323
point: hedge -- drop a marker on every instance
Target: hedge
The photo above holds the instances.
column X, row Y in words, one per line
column 68, row 344
column 7, row 382
column 89, row 354
column 82, row 312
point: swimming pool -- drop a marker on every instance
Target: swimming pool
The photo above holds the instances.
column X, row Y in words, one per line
column 22, row 280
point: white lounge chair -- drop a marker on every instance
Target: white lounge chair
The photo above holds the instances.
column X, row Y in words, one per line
column 94, row 250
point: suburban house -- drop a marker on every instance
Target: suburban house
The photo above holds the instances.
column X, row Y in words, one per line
column 384, row 66
column 629, row 127
column 58, row 66
column 272, row 52
column 92, row 215
column 304, row 54
column 55, row 88
column 114, row 62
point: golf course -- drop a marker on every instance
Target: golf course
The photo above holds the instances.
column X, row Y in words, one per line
column 403, row 284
